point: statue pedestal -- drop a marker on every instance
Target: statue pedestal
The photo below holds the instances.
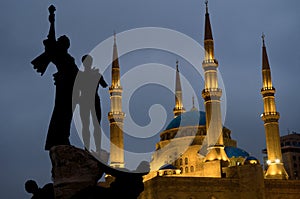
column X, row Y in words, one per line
column 73, row 170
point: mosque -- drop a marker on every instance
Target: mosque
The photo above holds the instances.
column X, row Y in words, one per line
column 196, row 156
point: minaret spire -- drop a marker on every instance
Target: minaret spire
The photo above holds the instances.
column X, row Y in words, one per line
column 116, row 115
column 206, row 5
column 193, row 102
column 115, row 53
column 270, row 117
column 208, row 38
column 178, row 109
column 265, row 60
column 211, row 95
column 263, row 39
column 208, row 31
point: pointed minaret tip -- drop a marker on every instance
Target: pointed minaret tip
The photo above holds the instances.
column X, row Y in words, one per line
column 178, row 83
column 115, row 63
column 115, row 37
column 263, row 39
column 208, row 31
column 193, row 101
column 178, row 109
column 265, row 60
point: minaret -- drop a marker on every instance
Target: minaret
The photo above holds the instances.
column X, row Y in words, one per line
column 116, row 116
column 178, row 109
column 211, row 95
column 193, row 103
column 270, row 117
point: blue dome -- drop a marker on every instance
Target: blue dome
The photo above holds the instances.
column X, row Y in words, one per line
column 190, row 118
column 236, row 152
column 167, row 166
column 251, row 158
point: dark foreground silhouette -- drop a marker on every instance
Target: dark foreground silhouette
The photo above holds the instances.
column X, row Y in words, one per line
column 75, row 172
column 56, row 51
column 126, row 184
column 122, row 187
column 127, row 188
column 47, row 192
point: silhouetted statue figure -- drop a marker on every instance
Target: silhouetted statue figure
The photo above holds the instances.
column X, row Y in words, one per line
column 47, row 192
column 88, row 82
column 126, row 185
column 56, row 51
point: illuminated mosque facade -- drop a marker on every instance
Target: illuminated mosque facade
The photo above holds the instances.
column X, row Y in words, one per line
column 196, row 156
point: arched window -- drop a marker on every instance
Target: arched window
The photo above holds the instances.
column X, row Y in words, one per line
column 186, row 169
column 186, row 161
column 181, row 169
column 192, row 168
column 180, row 161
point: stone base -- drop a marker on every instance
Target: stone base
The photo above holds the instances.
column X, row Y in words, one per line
column 276, row 171
column 75, row 174
column 73, row 170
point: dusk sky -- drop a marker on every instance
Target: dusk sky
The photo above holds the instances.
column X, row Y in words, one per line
column 27, row 98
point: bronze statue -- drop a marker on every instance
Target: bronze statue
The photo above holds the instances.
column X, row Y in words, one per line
column 126, row 184
column 56, row 51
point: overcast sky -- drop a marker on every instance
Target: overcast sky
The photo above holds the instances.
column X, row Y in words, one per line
column 27, row 99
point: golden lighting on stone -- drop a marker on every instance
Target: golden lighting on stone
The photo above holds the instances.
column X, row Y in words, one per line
column 270, row 117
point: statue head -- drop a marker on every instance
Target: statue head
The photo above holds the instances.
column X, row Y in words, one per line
column 63, row 42
column 87, row 61
column 31, row 186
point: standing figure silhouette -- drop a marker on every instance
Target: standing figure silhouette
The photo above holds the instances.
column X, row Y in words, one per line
column 89, row 101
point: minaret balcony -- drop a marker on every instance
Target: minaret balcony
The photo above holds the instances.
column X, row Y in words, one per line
column 178, row 109
column 116, row 88
column 115, row 92
column 210, row 61
column 212, row 94
column 116, row 113
column 207, row 63
column 268, row 91
column 116, row 116
column 270, row 117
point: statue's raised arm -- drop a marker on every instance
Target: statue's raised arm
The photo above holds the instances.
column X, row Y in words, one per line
column 41, row 62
